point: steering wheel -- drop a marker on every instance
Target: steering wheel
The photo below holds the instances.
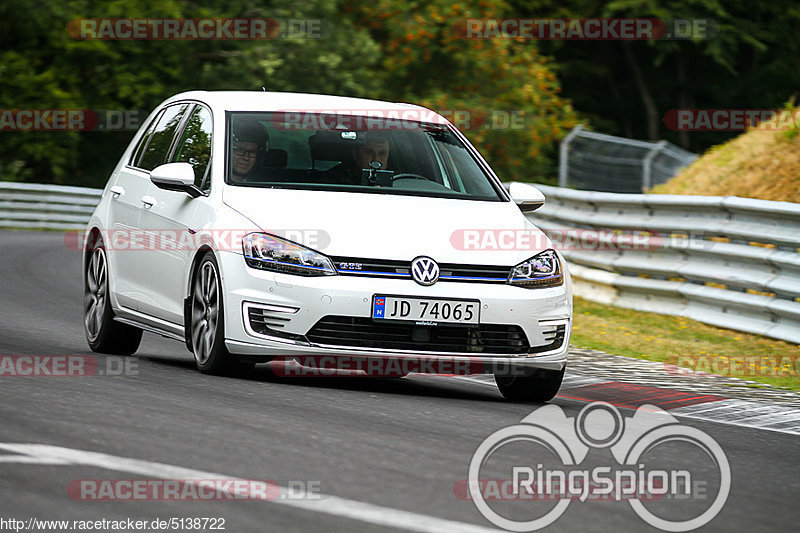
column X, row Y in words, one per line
column 408, row 175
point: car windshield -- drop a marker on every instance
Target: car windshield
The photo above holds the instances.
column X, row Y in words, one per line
column 338, row 152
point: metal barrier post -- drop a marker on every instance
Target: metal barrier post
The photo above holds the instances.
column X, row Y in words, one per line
column 647, row 179
column 563, row 159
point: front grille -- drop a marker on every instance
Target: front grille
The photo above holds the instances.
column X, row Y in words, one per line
column 372, row 267
column 475, row 274
column 362, row 332
column 383, row 268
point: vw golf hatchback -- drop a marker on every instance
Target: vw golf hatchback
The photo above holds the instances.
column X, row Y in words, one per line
column 258, row 226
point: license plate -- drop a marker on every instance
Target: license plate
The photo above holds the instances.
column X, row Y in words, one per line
column 426, row 311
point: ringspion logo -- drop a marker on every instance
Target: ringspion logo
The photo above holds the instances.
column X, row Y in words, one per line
column 665, row 493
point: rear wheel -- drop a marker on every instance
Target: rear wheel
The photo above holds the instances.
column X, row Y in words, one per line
column 103, row 334
column 207, row 323
column 540, row 386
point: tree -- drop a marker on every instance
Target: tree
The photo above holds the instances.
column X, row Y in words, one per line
column 43, row 67
column 427, row 61
column 749, row 61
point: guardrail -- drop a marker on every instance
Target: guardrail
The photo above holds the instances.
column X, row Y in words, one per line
column 727, row 261
column 36, row 206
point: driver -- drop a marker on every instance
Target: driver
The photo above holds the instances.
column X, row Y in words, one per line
column 374, row 149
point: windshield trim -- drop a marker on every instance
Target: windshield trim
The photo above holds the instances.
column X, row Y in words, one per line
column 325, row 187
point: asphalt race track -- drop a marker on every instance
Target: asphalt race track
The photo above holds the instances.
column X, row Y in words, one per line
column 375, row 454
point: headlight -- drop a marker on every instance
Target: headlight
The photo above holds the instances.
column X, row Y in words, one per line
column 268, row 252
column 541, row 270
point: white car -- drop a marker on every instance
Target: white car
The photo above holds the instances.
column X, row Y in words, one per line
column 259, row 226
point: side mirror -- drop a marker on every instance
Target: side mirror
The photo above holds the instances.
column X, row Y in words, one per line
column 177, row 177
column 527, row 197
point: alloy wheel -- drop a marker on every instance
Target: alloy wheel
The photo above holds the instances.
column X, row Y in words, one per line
column 95, row 293
column 205, row 309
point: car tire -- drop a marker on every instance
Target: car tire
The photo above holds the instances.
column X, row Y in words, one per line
column 103, row 333
column 207, row 323
column 539, row 387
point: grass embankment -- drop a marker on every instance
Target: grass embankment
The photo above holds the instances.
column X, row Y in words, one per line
column 675, row 339
column 761, row 164
column 757, row 164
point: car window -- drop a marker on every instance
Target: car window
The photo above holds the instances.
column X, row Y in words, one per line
column 137, row 153
column 194, row 146
column 155, row 153
column 361, row 154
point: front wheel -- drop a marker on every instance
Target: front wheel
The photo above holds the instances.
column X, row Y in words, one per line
column 103, row 334
column 540, row 386
column 207, row 324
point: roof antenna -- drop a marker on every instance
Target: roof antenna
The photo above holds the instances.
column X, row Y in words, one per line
column 264, row 89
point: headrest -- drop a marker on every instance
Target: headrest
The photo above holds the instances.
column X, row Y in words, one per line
column 276, row 158
column 330, row 146
column 250, row 131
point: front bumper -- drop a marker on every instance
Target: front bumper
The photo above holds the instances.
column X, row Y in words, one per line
column 535, row 311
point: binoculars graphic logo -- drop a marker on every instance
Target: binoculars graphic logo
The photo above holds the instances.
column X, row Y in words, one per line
column 569, row 440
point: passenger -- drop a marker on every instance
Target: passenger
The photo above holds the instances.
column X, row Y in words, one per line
column 249, row 145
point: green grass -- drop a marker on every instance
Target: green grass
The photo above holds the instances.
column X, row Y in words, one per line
column 679, row 340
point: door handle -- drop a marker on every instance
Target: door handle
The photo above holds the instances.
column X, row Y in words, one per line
column 148, row 201
column 116, row 192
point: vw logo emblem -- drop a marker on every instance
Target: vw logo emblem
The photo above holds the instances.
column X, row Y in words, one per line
column 424, row 270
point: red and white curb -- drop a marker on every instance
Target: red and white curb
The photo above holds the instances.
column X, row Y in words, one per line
column 770, row 417
column 687, row 404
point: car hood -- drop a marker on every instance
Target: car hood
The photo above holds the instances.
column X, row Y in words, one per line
column 395, row 227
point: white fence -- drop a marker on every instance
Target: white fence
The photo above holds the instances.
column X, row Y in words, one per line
column 598, row 162
column 732, row 262
column 727, row 261
column 31, row 205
